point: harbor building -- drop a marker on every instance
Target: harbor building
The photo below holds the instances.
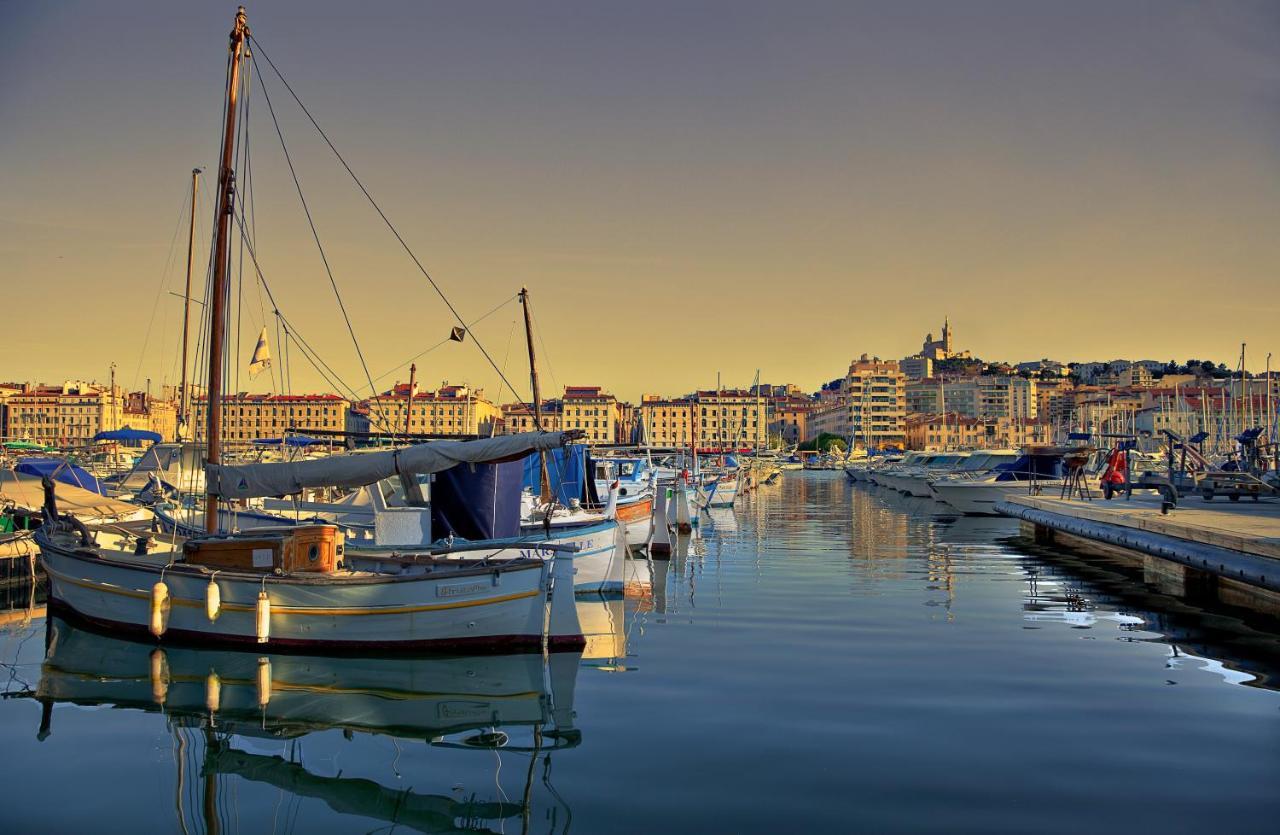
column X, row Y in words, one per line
column 987, row 395
column 62, row 415
column 725, row 419
column 790, row 419
column 448, row 410
column 595, row 411
column 875, row 403
column 830, row 418
column 668, row 422
column 247, row 417
column 72, row 413
column 956, row 431
column 519, row 417
column 916, row 367
column 731, row 419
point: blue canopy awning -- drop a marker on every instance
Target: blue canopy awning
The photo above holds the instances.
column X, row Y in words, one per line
column 128, row 435
column 60, row 470
column 566, row 470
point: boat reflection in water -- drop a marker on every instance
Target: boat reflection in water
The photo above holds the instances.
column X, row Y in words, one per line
column 603, row 620
column 520, row 703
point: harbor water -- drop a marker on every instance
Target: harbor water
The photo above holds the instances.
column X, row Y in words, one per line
column 823, row 657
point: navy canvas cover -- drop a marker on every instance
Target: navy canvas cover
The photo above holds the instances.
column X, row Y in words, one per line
column 477, row 501
column 61, row 471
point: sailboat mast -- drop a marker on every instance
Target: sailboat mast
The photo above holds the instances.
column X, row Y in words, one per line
column 537, row 393
column 225, row 205
column 408, row 409
column 184, row 398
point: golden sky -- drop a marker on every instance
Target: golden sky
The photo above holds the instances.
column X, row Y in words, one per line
column 685, row 188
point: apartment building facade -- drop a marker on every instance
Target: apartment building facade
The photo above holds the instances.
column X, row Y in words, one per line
column 668, row 422
column 448, row 410
column 519, row 417
column 875, row 403
column 594, row 411
column 69, row 414
column 984, row 396
column 247, row 417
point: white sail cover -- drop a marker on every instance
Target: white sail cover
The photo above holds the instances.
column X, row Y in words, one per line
column 245, row 481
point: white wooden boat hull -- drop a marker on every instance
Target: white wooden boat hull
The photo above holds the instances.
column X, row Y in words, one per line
column 503, row 607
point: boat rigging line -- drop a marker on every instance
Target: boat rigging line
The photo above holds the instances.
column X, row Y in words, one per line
column 447, row 339
column 315, row 235
column 308, row 352
column 257, row 48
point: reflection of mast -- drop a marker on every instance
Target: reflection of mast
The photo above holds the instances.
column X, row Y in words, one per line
column 209, row 807
column 358, row 796
column 527, row 801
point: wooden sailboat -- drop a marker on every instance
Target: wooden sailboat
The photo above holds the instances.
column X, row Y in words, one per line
column 291, row 588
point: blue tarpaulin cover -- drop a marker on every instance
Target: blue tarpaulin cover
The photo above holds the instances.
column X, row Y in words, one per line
column 566, row 468
column 129, row 435
column 68, row 474
column 477, row 501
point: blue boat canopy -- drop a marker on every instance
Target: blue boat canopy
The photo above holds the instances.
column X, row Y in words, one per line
column 1029, row 466
column 567, row 469
column 60, row 470
column 128, row 435
column 477, row 501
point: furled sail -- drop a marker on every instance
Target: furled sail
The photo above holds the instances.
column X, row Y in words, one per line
column 244, row 481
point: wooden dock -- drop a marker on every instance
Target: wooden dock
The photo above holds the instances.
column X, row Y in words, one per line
column 1227, row 550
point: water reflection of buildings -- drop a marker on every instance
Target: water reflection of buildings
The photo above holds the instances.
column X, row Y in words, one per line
column 517, row 705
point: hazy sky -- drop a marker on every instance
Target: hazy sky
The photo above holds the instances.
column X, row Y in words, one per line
column 686, row 188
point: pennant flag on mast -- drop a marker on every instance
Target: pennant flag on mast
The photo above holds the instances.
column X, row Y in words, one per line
column 261, row 356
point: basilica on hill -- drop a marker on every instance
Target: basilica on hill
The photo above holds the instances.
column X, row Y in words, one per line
column 942, row 349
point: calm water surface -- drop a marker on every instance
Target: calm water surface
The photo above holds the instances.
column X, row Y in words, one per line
column 825, row 658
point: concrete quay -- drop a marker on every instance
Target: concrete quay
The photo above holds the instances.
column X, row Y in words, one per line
column 1225, row 551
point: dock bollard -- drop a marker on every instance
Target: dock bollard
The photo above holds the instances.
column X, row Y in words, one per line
column 660, row 534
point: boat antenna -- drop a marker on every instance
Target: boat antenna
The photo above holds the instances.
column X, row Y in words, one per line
column 225, row 207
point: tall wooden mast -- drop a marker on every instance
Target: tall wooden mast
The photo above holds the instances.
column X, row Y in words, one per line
column 184, row 395
column 225, row 206
column 537, row 393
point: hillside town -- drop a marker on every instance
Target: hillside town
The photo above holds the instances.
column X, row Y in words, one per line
column 941, row 397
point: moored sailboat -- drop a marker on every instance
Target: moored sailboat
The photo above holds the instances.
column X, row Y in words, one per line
column 294, row 587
